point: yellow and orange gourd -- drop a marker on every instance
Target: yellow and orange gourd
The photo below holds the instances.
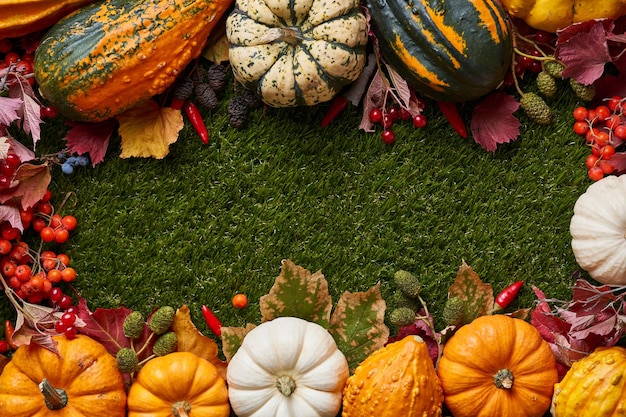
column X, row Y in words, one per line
column 397, row 380
column 110, row 56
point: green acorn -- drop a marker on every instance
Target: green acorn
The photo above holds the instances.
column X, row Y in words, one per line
column 453, row 311
column 584, row 92
column 165, row 344
column 536, row 108
column 133, row 325
column 408, row 283
column 127, row 360
column 162, row 319
column 402, row 316
column 546, row 84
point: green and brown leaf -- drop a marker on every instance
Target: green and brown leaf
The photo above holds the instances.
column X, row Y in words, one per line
column 476, row 296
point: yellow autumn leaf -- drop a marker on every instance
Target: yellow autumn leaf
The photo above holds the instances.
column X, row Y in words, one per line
column 148, row 130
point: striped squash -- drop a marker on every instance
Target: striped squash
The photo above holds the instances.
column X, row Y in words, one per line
column 300, row 52
column 22, row 17
column 448, row 50
column 110, row 56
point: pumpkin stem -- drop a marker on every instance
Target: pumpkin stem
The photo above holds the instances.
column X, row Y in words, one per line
column 503, row 379
column 55, row 398
column 286, row 385
column 291, row 35
column 181, row 409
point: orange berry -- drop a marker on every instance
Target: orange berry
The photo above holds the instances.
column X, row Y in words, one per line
column 240, row 301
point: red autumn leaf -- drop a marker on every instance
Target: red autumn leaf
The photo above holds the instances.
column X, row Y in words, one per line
column 90, row 138
column 9, row 108
column 32, row 182
column 493, row 121
column 584, row 50
column 11, row 214
column 613, row 85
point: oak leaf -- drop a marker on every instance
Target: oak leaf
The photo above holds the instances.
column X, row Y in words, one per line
column 148, row 130
column 190, row 339
column 477, row 296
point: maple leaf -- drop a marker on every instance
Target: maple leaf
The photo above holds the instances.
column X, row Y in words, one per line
column 148, row 130
column 9, row 108
column 357, row 325
column 298, row 293
column 493, row 121
column 190, row 339
column 20, row 150
column 104, row 325
column 613, row 84
column 32, row 182
column 476, row 296
column 11, row 214
column 584, row 50
column 374, row 98
column 90, row 138
column 232, row 338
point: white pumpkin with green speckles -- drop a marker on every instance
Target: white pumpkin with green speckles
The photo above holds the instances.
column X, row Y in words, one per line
column 296, row 53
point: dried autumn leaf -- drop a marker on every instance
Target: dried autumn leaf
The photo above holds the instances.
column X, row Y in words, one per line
column 190, row 339
column 298, row 293
column 357, row 324
column 477, row 296
column 32, row 183
column 232, row 338
column 148, row 130
column 216, row 50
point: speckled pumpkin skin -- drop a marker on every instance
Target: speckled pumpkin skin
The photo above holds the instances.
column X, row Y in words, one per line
column 110, row 56
column 397, row 380
column 297, row 53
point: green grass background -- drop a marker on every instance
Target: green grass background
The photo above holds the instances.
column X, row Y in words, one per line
column 207, row 222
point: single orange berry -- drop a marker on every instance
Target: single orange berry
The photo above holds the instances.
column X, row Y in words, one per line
column 68, row 274
column 240, row 301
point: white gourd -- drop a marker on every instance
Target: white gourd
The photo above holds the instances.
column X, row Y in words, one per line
column 598, row 230
column 287, row 367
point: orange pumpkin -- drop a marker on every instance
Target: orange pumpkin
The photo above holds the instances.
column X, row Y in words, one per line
column 83, row 380
column 179, row 384
column 21, row 17
column 497, row 366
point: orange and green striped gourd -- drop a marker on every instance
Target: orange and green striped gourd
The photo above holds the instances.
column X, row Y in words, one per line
column 110, row 56
column 448, row 50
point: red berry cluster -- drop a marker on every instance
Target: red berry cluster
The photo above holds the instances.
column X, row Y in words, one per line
column 17, row 60
column 388, row 116
column 604, row 129
column 32, row 274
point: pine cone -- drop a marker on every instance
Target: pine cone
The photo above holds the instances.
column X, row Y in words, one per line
column 237, row 112
column 183, row 89
column 546, row 84
column 252, row 99
column 205, row 96
column 216, row 77
column 536, row 108
column 554, row 68
column 584, row 92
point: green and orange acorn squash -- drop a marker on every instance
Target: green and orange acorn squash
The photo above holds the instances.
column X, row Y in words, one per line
column 22, row 17
column 110, row 56
column 448, row 50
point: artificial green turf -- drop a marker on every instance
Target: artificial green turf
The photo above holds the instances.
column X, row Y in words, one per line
column 207, row 222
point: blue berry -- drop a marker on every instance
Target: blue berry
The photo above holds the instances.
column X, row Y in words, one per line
column 82, row 160
column 72, row 160
column 67, row 168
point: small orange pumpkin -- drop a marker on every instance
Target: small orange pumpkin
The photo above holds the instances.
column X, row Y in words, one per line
column 497, row 366
column 179, row 384
column 83, row 380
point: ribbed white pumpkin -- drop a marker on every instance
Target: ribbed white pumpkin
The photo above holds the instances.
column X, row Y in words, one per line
column 298, row 52
column 598, row 229
column 287, row 367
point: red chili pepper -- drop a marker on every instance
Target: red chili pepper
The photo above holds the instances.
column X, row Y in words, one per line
column 338, row 105
column 177, row 103
column 195, row 117
column 451, row 112
column 507, row 295
column 8, row 333
column 212, row 321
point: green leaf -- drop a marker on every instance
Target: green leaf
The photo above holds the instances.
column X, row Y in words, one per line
column 357, row 325
column 476, row 296
column 298, row 293
column 232, row 338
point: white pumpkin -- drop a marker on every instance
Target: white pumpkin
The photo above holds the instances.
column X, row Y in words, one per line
column 299, row 52
column 598, row 229
column 287, row 367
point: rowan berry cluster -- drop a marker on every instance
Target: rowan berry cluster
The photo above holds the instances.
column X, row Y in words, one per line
column 604, row 130
column 34, row 274
column 387, row 117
